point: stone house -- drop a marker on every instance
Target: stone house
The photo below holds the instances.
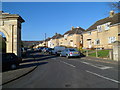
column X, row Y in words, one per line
column 72, row 38
column 54, row 41
column 102, row 33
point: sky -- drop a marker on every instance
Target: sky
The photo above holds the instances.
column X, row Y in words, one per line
column 55, row 17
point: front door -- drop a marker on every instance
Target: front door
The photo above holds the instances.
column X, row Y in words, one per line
column 89, row 44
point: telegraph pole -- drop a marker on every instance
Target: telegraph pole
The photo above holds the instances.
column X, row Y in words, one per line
column 45, row 39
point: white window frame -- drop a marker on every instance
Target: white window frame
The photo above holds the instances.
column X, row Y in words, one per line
column 95, row 42
column 107, row 26
column 65, row 36
column 99, row 28
column 89, row 33
column 111, row 39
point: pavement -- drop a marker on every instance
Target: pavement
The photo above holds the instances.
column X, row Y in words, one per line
column 29, row 64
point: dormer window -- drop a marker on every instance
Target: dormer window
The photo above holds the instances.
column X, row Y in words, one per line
column 107, row 26
column 89, row 33
column 99, row 28
column 65, row 36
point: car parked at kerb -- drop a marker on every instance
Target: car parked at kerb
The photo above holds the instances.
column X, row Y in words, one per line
column 70, row 52
column 10, row 61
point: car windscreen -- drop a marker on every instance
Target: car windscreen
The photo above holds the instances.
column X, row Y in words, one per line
column 72, row 50
column 50, row 49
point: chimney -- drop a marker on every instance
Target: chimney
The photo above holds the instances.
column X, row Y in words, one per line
column 111, row 13
column 72, row 27
column 56, row 33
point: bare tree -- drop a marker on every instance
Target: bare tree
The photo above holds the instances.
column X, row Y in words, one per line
column 115, row 6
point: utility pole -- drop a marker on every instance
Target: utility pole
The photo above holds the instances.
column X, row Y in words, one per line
column 45, row 39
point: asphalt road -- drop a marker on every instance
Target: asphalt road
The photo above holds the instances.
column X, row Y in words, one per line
column 60, row 72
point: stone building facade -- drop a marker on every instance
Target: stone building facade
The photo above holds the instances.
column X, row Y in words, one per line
column 103, row 33
column 10, row 25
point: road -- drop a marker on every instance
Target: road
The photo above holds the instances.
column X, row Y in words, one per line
column 60, row 72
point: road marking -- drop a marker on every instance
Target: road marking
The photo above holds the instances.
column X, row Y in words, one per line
column 103, row 77
column 97, row 66
column 68, row 64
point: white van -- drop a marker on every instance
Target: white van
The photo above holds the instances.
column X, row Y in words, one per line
column 57, row 50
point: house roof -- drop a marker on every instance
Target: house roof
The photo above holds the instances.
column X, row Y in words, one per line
column 57, row 36
column 113, row 20
column 48, row 39
column 78, row 30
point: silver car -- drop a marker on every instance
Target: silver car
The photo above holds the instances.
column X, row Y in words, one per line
column 70, row 52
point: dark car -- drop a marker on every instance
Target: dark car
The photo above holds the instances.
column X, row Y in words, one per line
column 40, row 49
column 49, row 50
column 10, row 61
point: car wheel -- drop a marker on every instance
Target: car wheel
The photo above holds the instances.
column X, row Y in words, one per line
column 60, row 55
column 67, row 56
column 13, row 66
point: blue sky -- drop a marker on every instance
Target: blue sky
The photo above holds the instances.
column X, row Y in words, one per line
column 52, row 17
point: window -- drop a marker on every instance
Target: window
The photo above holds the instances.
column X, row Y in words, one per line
column 89, row 33
column 107, row 26
column 97, row 42
column 65, row 36
column 111, row 39
column 99, row 28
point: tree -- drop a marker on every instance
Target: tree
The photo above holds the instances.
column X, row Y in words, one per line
column 115, row 6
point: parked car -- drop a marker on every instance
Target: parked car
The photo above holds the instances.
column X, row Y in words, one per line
column 44, row 50
column 40, row 49
column 49, row 50
column 24, row 52
column 10, row 61
column 57, row 50
column 70, row 52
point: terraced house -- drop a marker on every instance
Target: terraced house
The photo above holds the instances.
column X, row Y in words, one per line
column 72, row 38
column 54, row 41
column 103, row 33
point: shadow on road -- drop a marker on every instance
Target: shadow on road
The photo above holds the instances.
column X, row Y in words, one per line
column 31, row 65
column 39, row 58
column 31, row 61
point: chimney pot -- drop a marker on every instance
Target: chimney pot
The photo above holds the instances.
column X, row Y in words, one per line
column 111, row 13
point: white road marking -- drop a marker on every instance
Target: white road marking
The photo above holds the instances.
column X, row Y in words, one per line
column 97, row 66
column 103, row 77
column 68, row 64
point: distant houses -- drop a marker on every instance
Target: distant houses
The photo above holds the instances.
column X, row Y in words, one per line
column 99, row 35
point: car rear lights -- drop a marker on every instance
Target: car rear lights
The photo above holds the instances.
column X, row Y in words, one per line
column 70, row 52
